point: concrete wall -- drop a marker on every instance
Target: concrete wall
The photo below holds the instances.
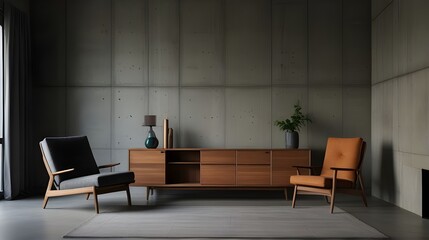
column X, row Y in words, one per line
column 221, row 71
column 400, row 106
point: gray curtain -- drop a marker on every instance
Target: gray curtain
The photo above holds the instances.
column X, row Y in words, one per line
column 17, row 95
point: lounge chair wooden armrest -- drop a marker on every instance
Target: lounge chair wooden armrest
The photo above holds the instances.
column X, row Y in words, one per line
column 108, row 165
column 62, row 171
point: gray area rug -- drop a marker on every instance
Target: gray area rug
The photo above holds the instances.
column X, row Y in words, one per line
column 225, row 222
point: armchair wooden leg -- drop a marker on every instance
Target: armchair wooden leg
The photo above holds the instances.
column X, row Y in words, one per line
column 96, row 202
column 128, row 196
column 362, row 188
column 87, row 196
column 151, row 191
column 286, row 197
column 327, row 199
column 332, row 200
column 334, row 180
column 294, row 196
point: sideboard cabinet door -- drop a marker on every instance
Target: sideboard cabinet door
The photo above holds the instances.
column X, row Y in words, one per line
column 148, row 166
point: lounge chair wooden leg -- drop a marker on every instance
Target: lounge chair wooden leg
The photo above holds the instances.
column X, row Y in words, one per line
column 48, row 188
column 96, row 202
column 151, row 191
column 362, row 188
column 87, row 196
column 294, row 196
column 128, row 196
column 45, row 201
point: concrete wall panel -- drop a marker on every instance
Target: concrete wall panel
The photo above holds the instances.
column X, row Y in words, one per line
column 89, row 113
column 129, row 107
column 49, row 41
column 289, row 39
column 414, row 16
column 164, row 103
column 49, row 111
column 405, row 116
column 357, row 122
column 376, row 132
column 411, row 187
column 324, row 41
column 356, row 42
column 248, row 117
column 283, row 100
column 420, row 112
column 88, row 43
column 120, row 156
column 130, row 52
column 102, row 156
column 202, row 117
column 383, row 28
column 164, row 43
column 248, row 42
column 325, row 106
column 202, row 43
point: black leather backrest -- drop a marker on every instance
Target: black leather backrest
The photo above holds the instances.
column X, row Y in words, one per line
column 69, row 152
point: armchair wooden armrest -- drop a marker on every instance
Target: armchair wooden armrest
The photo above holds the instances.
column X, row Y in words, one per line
column 311, row 168
column 62, row 171
column 344, row 169
column 308, row 167
column 108, row 165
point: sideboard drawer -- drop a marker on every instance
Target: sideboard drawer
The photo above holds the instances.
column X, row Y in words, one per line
column 137, row 156
column 253, row 175
column 218, row 157
column 218, row 174
column 253, row 157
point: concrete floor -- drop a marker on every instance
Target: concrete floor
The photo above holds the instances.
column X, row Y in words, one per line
column 25, row 219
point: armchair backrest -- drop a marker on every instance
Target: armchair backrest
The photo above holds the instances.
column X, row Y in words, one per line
column 343, row 153
column 63, row 153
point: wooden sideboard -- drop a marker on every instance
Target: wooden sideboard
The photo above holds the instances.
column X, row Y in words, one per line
column 195, row 168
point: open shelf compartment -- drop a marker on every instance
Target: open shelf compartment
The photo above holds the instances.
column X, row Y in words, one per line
column 183, row 167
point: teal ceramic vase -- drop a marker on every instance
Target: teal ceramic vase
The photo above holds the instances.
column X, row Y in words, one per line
column 151, row 140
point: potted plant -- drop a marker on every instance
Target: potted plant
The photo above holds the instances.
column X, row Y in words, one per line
column 292, row 126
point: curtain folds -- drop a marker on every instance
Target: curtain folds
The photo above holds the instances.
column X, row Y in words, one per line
column 17, row 100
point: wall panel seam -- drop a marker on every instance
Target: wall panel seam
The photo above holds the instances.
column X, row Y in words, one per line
column 382, row 11
column 400, row 76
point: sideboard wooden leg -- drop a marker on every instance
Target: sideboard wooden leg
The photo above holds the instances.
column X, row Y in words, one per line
column 147, row 193
column 286, row 197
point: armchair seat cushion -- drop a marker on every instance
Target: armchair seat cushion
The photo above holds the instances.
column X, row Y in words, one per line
column 98, row 180
column 318, row 181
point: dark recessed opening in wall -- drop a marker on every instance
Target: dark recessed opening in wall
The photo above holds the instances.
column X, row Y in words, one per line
column 425, row 193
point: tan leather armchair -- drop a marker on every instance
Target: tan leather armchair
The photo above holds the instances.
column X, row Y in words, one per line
column 340, row 171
